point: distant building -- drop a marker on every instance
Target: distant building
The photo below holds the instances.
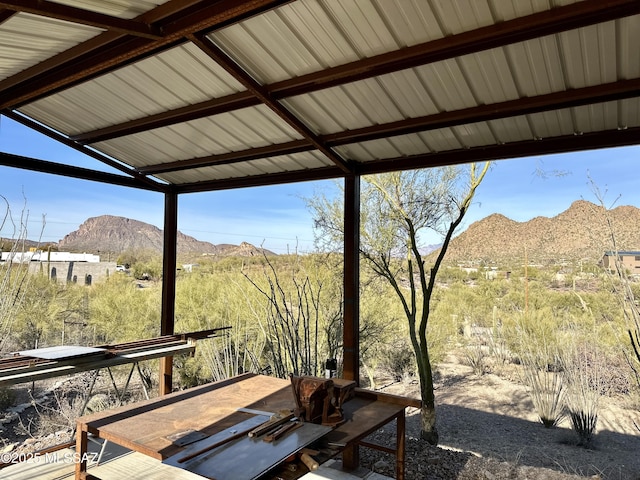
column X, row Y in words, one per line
column 629, row 260
column 42, row 256
column 64, row 267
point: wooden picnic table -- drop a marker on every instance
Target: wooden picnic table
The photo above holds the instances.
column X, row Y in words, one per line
column 154, row 427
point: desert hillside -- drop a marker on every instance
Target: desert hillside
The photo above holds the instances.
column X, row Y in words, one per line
column 108, row 233
column 580, row 232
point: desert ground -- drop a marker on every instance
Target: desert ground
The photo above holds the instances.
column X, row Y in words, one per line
column 489, row 430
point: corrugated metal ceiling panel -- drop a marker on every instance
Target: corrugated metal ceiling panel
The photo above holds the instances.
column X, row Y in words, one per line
column 512, row 129
column 531, row 68
column 26, row 40
column 246, row 128
column 628, row 54
column 503, row 10
column 592, row 118
column 117, row 8
column 178, row 77
column 589, row 55
column 629, row 113
column 309, row 35
column 292, row 40
column 412, row 93
column 279, row 164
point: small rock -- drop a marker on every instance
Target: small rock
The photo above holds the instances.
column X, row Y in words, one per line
column 488, row 475
column 380, row 465
column 433, row 460
column 8, row 448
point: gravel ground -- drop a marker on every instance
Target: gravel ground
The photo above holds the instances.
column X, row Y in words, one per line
column 488, row 431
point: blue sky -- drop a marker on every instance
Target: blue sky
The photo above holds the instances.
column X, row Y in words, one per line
column 276, row 217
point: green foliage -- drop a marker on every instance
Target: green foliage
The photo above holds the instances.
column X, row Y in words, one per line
column 585, row 375
column 400, row 361
column 121, row 312
column 7, row 398
column 541, row 357
column 293, row 310
column 189, row 371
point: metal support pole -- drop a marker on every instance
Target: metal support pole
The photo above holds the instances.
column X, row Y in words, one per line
column 351, row 340
column 167, row 320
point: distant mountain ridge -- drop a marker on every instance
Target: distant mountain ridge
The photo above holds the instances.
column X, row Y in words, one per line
column 109, row 233
column 580, row 232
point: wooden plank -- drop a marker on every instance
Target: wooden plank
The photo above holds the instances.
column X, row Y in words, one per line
column 63, row 352
column 147, row 426
column 389, row 398
column 41, row 372
column 249, row 458
column 363, row 416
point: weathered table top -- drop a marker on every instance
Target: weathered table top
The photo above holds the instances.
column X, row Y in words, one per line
column 149, row 427
column 154, row 427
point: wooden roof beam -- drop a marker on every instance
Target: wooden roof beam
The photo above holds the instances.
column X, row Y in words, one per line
column 67, row 13
column 547, row 146
column 112, row 50
column 511, row 108
column 548, row 22
column 36, row 165
column 524, row 28
column 263, row 95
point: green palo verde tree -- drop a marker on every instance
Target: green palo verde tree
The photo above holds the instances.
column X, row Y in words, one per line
column 396, row 209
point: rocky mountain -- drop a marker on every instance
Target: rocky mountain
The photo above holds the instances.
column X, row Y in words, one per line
column 108, row 233
column 580, row 232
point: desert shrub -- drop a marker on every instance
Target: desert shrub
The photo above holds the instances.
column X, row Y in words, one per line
column 59, row 412
column 547, row 390
column 585, row 374
column 540, row 356
column 399, row 360
column 7, row 398
column 475, row 355
column 190, row 372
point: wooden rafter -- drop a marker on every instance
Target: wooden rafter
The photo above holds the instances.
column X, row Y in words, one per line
column 45, row 8
column 138, row 177
column 512, row 108
column 520, row 29
column 265, row 97
column 112, row 50
column 547, row 146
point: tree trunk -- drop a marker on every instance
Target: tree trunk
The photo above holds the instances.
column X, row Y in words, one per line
column 429, row 431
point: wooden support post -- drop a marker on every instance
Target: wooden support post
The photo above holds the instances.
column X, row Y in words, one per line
column 81, row 452
column 167, row 319
column 400, row 445
column 351, row 340
column 351, row 328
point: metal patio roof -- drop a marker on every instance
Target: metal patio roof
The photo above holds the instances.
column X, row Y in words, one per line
column 192, row 95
